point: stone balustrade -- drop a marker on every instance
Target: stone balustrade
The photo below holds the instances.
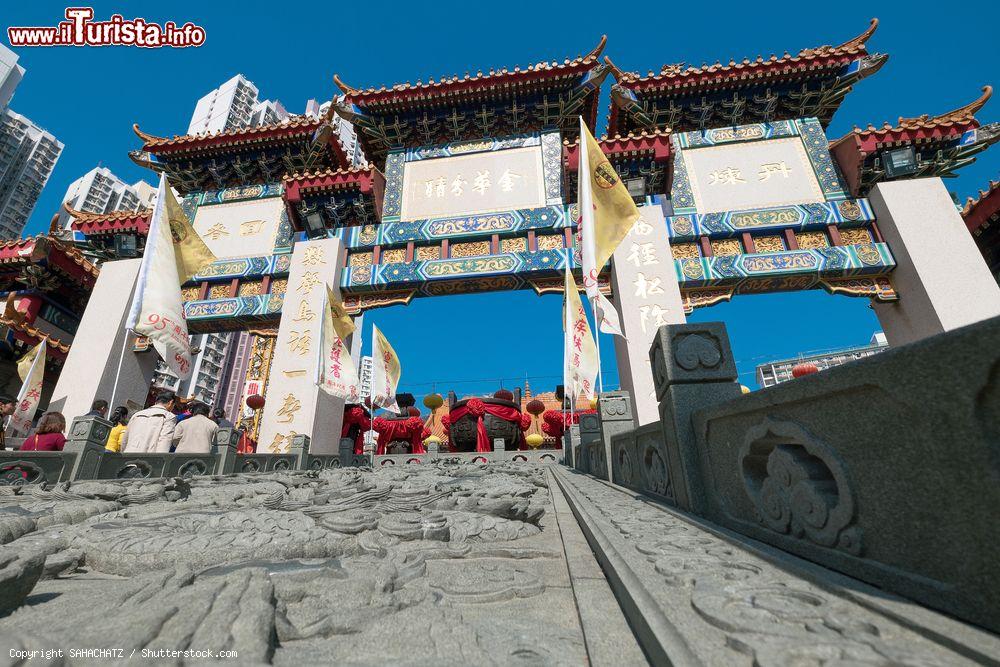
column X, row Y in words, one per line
column 885, row 469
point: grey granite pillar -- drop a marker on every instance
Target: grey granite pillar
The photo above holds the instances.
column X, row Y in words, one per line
column 300, row 448
column 225, row 449
column 693, row 368
column 589, row 448
column 573, row 438
column 615, row 415
column 87, row 437
column 346, row 452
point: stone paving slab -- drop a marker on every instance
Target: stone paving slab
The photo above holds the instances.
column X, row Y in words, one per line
column 697, row 597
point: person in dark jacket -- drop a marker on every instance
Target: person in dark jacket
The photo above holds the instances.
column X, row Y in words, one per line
column 219, row 417
column 7, row 407
column 48, row 436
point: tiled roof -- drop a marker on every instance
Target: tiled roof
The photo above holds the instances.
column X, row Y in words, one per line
column 681, row 75
column 945, row 125
column 294, row 126
column 634, row 143
column 117, row 221
column 979, row 209
column 28, row 250
column 491, row 78
column 33, row 336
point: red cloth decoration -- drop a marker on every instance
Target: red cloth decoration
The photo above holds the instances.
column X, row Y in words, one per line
column 399, row 429
column 525, row 422
column 356, row 415
column 555, row 422
column 246, row 445
column 477, row 409
column 446, row 423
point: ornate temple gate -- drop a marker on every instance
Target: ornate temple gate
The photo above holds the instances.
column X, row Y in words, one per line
column 472, row 188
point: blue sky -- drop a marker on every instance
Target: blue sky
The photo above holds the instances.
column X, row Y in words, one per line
column 89, row 98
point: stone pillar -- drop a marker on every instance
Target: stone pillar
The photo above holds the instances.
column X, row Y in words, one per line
column 614, row 412
column 588, row 440
column 225, row 449
column 942, row 280
column 300, row 448
column 90, row 369
column 694, row 368
column 86, row 438
column 295, row 405
column 648, row 296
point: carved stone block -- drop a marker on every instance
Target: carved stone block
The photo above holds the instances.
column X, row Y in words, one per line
column 691, row 353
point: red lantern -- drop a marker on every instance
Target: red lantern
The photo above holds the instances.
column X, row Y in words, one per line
column 805, row 368
column 255, row 402
column 504, row 394
column 535, row 407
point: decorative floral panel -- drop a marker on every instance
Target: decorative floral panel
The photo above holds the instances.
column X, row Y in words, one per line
column 551, row 242
column 219, row 291
column 513, row 245
column 250, row 288
column 278, row 287
column 429, row 252
column 685, row 251
column 809, row 240
column 855, row 236
column 473, row 249
column 393, row 256
column 769, row 243
column 190, row 293
column 724, row 247
column 361, row 259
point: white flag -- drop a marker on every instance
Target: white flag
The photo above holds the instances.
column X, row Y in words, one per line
column 31, row 369
column 612, row 209
column 157, row 308
column 579, row 346
column 337, row 375
column 386, row 371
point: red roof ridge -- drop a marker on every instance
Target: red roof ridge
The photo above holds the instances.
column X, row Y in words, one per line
column 86, row 216
column 642, row 134
column 13, row 323
column 963, row 113
column 852, row 46
column 326, row 171
column 971, row 202
column 592, row 56
column 292, row 122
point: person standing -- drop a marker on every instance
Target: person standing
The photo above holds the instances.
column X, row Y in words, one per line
column 195, row 434
column 98, row 408
column 7, row 407
column 219, row 417
column 48, row 437
column 119, row 421
column 152, row 429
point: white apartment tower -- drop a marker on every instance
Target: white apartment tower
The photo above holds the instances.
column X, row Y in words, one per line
column 100, row 191
column 10, row 75
column 205, row 382
column 28, row 154
column 233, row 105
column 345, row 131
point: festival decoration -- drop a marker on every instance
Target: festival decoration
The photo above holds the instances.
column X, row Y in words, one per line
column 336, row 374
column 356, row 418
column 255, row 402
column 157, row 310
column 31, row 370
column 389, row 429
column 534, row 440
column 433, row 401
column 805, row 368
column 607, row 214
column 535, row 407
column 580, row 351
column 386, row 371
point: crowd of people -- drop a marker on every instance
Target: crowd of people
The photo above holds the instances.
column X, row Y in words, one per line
column 156, row 429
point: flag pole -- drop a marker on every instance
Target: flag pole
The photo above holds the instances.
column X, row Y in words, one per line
column 118, row 373
column 597, row 343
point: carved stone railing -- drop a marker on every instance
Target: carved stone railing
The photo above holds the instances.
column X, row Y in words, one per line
column 84, row 457
column 498, row 455
column 886, row 469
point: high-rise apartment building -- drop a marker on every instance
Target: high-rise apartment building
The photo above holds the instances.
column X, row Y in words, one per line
column 28, row 154
column 10, row 75
column 100, row 191
column 233, row 105
column 205, row 382
column 345, row 132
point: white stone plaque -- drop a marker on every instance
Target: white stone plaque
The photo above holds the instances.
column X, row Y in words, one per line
column 240, row 229
column 476, row 183
column 759, row 174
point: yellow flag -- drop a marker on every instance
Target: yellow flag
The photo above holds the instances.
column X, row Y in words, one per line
column 386, row 371
column 342, row 322
column 607, row 214
column 580, row 349
column 337, row 375
column 190, row 252
column 612, row 207
column 31, row 369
